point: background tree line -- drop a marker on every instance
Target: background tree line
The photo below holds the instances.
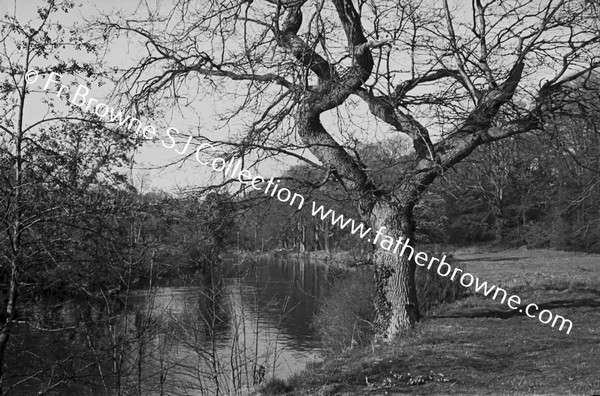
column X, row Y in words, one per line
column 539, row 189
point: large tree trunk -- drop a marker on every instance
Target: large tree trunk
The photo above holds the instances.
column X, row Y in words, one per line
column 396, row 301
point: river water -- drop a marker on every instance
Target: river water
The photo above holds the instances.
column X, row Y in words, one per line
column 174, row 340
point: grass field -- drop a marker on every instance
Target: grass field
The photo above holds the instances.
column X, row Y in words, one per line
column 477, row 346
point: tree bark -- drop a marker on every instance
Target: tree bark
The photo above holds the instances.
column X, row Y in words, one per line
column 396, row 300
column 9, row 315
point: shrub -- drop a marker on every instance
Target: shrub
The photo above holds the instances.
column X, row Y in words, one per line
column 274, row 387
column 537, row 235
column 346, row 317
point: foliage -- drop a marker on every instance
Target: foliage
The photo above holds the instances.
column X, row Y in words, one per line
column 274, row 387
column 346, row 316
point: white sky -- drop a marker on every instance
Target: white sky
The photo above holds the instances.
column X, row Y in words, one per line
column 149, row 171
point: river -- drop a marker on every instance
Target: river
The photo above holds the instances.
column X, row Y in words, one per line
column 172, row 340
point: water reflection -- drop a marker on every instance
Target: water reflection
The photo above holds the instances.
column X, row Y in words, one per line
column 223, row 336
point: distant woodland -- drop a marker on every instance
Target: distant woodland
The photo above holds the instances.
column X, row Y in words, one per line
column 536, row 190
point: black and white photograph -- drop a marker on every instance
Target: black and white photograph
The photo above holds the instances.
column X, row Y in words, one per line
column 299, row 197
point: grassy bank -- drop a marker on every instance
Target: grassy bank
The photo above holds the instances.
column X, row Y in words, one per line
column 477, row 346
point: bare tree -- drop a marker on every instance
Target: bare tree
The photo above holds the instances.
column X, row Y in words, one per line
column 451, row 76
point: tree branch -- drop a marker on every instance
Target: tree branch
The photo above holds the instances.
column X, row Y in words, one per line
column 384, row 109
column 405, row 86
column 269, row 77
column 475, row 94
column 287, row 38
column 358, row 46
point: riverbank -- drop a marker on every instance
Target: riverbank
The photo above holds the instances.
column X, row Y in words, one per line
column 339, row 259
column 477, row 345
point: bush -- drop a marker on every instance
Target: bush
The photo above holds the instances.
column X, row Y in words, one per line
column 346, row 317
column 274, row 387
column 537, row 235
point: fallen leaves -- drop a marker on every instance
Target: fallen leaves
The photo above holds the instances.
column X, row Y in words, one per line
column 394, row 380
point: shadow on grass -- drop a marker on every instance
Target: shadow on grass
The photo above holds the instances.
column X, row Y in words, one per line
column 576, row 287
column 520, row 311
column 493, row 259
